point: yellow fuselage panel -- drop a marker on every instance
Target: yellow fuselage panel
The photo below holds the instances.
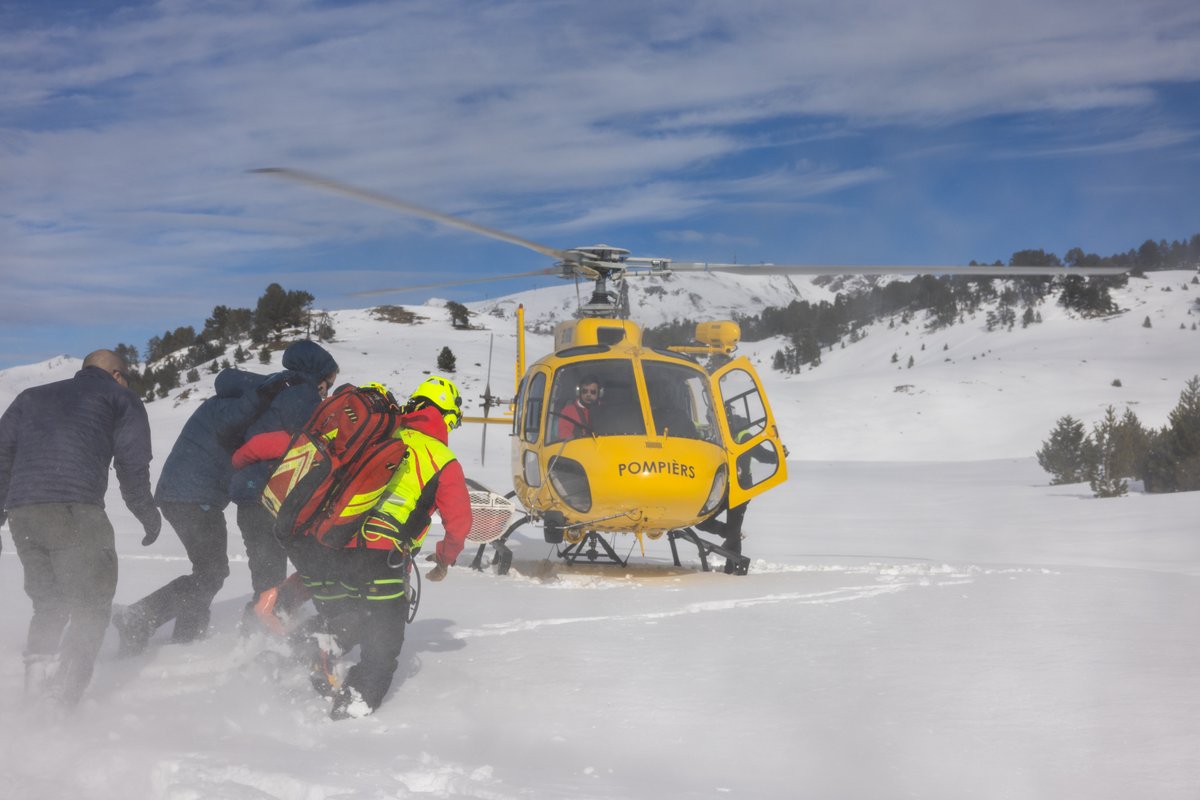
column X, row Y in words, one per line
column 637, row 483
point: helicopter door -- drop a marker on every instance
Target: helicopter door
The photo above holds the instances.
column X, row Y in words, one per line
column 755, row 453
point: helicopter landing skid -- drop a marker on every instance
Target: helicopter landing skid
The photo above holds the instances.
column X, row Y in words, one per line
column 503, row 557
column 572, row 552
column 741, row 563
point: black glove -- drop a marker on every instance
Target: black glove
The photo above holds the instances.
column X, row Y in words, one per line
column 151, row 523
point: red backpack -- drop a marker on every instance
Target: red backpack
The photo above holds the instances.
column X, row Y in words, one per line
column 336, row 468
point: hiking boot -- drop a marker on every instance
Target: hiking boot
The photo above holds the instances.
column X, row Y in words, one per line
column 349, row 704
column 322, row 667
column 323, row 681
column 190, row 627
column 317, row 652
column 40, row 669
column 134, row 629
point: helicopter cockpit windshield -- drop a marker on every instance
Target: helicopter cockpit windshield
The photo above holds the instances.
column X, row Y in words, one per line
column 600, row 398
column 594, row 398
column 680, row 402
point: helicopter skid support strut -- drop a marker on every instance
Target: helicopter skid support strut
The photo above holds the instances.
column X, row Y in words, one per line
column 741, row 563
column 572, row 552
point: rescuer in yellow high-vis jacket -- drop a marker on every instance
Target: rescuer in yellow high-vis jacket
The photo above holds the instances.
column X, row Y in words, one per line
column 364, row 596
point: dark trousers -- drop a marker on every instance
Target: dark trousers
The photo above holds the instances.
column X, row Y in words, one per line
column 70, row 566
column 268, row 559
column 362, row 599
column 188, row 598
column 730, row 530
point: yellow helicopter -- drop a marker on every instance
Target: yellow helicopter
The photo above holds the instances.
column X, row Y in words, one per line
column 665, row 439
column 662, row 443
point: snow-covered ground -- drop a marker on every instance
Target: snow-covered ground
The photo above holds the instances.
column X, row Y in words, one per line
column 925, row 615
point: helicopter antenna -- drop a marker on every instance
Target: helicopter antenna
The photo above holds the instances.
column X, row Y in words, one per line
column 488, row 402
column 623, row 309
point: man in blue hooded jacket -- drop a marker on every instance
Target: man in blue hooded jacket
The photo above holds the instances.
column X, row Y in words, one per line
column 315, row 371
column 193, row 492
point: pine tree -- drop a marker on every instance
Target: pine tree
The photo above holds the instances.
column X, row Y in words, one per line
column 227, row 324
column 1066, row 454
column 1173, row 463
column 193, row 375
column 791, row 360
column 323, row 328
column 460, row 317
column 1146, row 323
column 278, row 309
column 1132, row 443
column 1104, row 470
column 808, row 350
column 128, row 352
column 264, row 355
column 240, row 355
column 167, row 377
column 446, row 360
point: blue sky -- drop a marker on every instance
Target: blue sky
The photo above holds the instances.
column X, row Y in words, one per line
column 863, row 131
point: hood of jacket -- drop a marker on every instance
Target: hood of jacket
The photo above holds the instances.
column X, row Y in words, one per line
column 309, row 358
column 428, row 421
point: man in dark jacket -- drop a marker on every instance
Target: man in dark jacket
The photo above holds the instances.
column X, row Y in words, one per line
column 315, row 372
column 193, row 491
column 56, row 444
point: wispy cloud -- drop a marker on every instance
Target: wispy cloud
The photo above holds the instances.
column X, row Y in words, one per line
column 125, row 132
column 1143, row 140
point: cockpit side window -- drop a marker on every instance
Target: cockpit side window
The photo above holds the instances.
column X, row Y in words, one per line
column 747, row 417
column 744, row 409
column 532, row 413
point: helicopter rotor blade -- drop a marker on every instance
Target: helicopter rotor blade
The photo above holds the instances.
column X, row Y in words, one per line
column 982, row 270
column 366, row 195
column 464, row 282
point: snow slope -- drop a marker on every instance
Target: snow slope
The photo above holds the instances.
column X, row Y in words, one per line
column 925, row 616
